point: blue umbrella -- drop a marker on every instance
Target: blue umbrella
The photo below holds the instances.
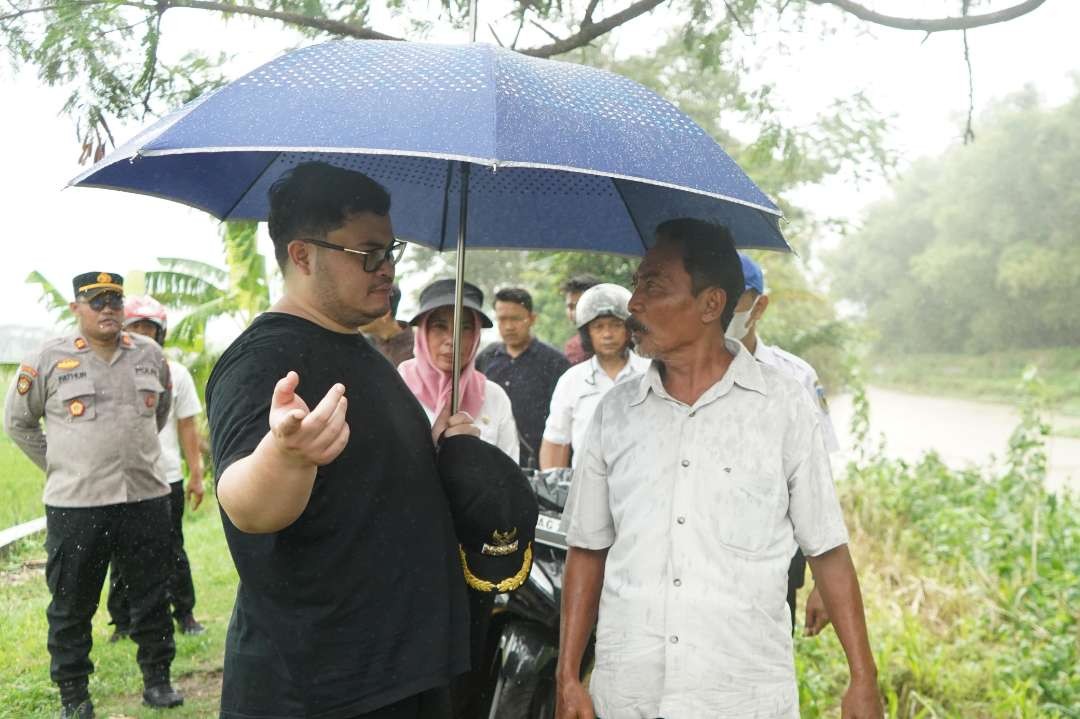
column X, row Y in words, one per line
column 550, row 155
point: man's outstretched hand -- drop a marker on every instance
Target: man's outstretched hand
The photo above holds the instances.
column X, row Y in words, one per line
column 308, row 436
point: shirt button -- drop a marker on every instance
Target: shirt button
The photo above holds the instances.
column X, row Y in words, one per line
column 681, row 520
column 693, row 412
column 674, row 639
column 686, row 463
column 677, row 582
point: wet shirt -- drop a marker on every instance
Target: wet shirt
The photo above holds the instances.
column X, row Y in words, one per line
column 361, row 601
column 99, row 445
column 529, row 380
column 801, row 371
column 701, row 508
column 576, row 395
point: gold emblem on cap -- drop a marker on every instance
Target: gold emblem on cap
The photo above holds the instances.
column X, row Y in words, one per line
column 76, row 408
column 69, row 363
column 507, row 585
column 104, row 278
column 502, row 543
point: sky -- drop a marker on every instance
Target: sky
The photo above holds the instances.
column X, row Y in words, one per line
column 921, row 85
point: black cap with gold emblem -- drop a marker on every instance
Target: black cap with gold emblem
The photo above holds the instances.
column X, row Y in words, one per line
column 494, row 511
column 89, row 284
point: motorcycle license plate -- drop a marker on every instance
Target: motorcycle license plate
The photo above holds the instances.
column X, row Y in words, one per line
column 548, row 532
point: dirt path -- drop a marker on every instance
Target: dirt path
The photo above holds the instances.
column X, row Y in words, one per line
column 962, row 431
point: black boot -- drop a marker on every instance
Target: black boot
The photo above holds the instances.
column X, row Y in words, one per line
column 162, row 696
column 81, row 710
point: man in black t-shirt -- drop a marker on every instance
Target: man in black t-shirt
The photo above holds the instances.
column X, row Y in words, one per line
column 351, row 600
column 526, row 368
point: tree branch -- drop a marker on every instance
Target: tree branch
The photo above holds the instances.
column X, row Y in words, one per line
column 544, row 30
column 47, row 8
column 944, row 24
column 594, row 30
column 334, row 27
column 735, row 16
column 969, row 130
column 587, row 19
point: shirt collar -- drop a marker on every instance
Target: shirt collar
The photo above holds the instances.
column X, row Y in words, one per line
column 500, row 348
column 743, row 371
column 632, row 366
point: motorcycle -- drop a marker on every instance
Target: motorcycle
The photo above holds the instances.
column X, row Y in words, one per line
column 523, row 638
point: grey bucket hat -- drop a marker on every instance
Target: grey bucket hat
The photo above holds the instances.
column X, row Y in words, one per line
column 440, row 293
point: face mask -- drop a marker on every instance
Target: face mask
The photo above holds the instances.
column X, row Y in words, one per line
column 740, row 323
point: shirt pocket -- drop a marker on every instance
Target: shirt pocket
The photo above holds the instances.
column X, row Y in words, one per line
column 148, row 390
column 77, row 400
column 747, row 510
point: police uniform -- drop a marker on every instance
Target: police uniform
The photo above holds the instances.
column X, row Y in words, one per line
column 103, row 494
column 800, row 369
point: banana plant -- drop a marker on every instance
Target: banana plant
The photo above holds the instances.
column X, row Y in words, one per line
column 203, row 292
column 52, row 299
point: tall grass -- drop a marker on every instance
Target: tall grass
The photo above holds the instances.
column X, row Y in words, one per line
column 972, row 586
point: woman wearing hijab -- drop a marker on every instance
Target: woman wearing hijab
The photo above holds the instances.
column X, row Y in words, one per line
column 429, row 373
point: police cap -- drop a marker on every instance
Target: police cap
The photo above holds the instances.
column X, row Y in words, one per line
column 494, row 511
column 89, row 284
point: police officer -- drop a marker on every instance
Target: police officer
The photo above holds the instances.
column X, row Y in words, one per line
column 104, row 395
column 748, row 312
column 146, row 316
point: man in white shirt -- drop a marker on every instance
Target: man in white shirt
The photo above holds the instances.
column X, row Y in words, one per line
column 748, row 313
column 697, row 482
column 144, row 315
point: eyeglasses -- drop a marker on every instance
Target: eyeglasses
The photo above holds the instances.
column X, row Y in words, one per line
column 373, row 259
column 106, row 299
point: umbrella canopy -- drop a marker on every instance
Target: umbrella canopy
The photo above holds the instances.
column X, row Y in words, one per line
column 563, row 156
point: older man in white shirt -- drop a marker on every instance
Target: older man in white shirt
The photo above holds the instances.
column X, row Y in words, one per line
column 696, row 483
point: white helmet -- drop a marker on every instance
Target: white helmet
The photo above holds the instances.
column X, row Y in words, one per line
column 602, row 300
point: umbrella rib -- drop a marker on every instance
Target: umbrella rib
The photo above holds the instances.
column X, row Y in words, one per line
column 445, row 206
column 242, row 195
column 626, row 206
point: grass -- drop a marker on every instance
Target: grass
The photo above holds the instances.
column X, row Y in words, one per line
column 994, row 376
column 21, row 482
column 25, row 689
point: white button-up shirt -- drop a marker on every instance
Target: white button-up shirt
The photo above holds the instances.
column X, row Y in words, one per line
column 576, row 395
column 701, row 508
column 801, row 370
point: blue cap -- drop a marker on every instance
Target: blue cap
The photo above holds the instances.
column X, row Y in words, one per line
column 751, row 270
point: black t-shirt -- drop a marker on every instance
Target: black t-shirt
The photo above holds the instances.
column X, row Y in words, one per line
column 529, row 380
column 361, row 601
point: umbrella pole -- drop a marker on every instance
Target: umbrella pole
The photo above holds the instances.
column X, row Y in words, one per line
column 459, row 285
